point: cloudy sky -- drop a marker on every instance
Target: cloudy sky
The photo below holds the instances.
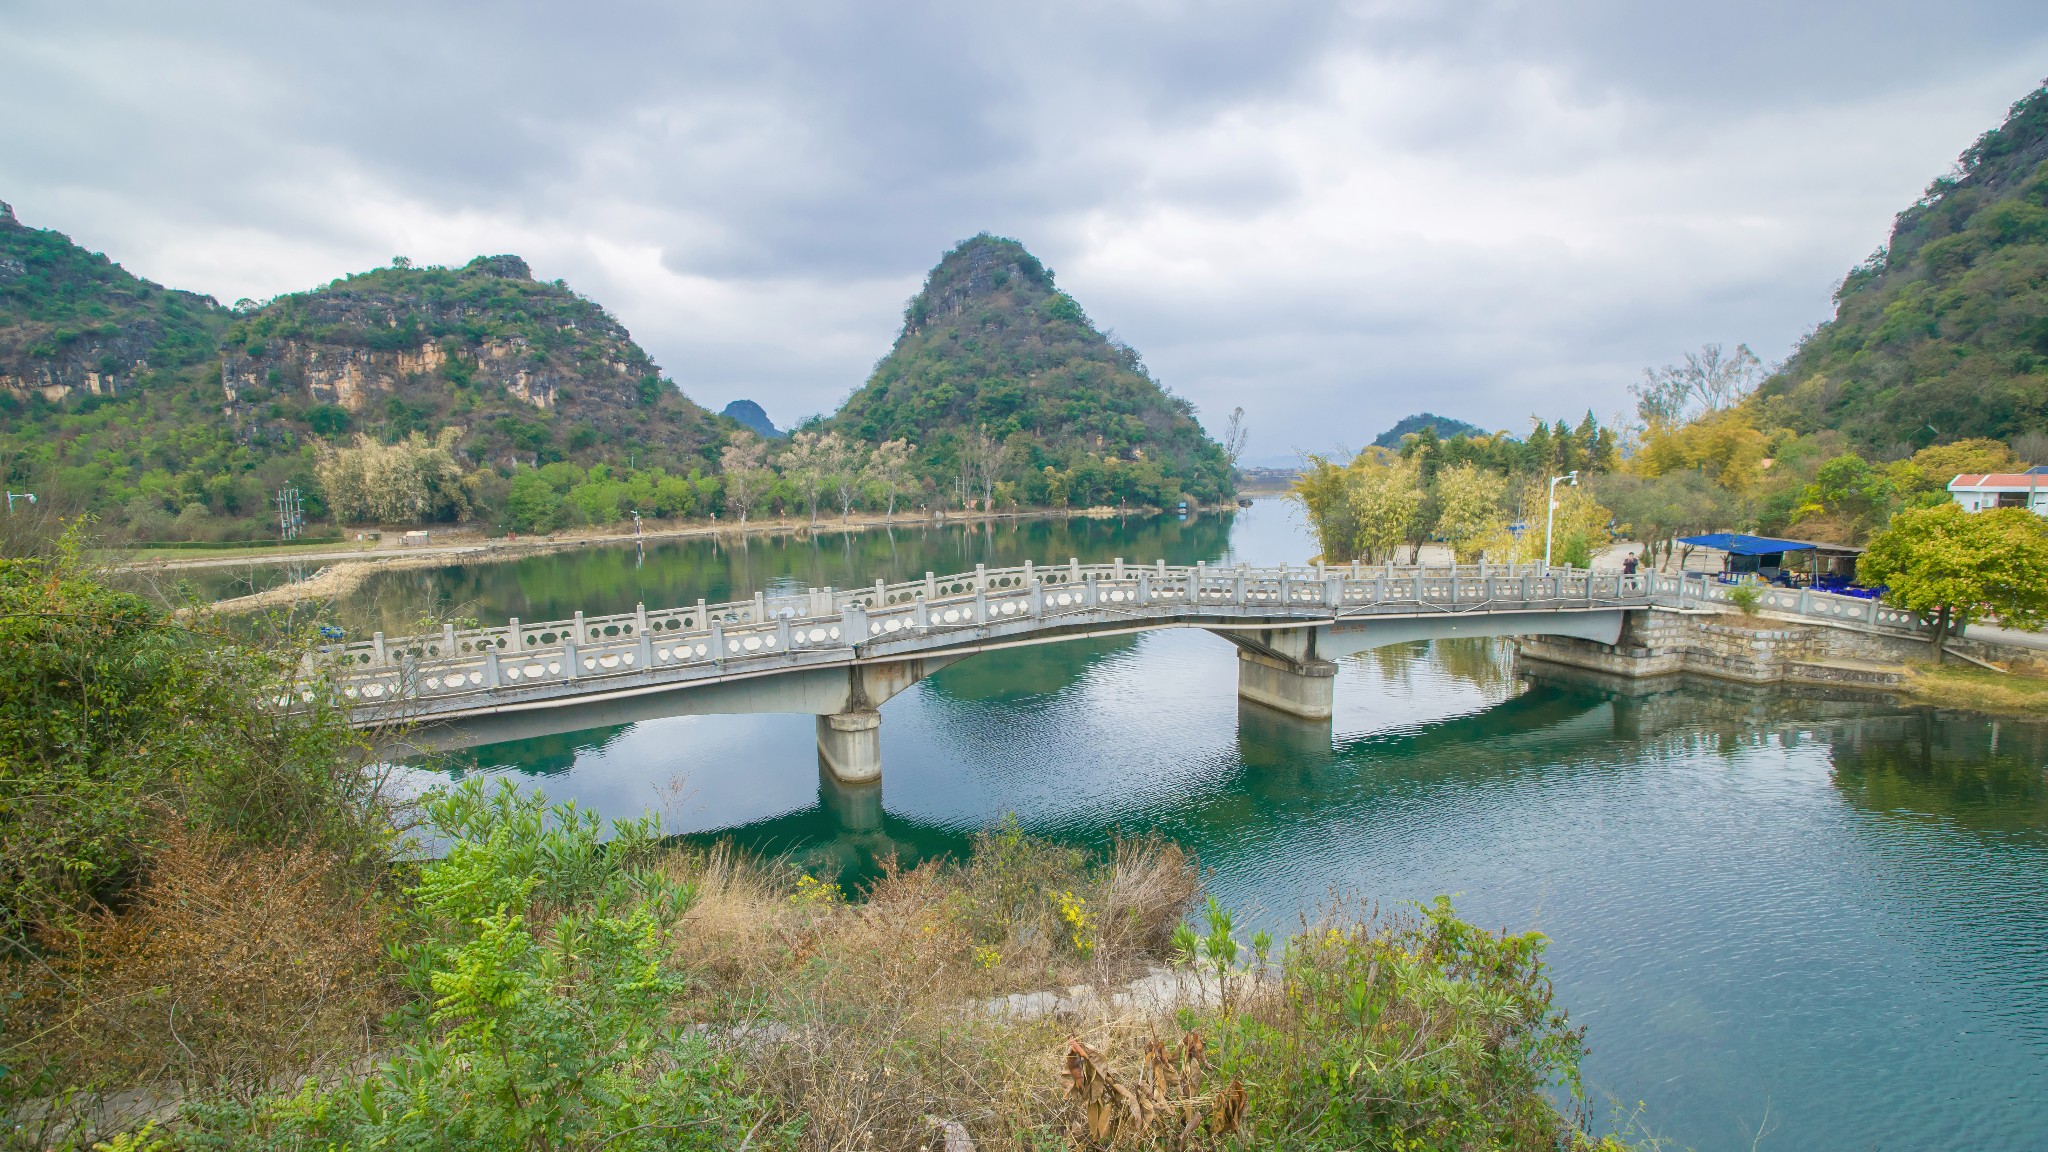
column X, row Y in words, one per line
column 1331, row 214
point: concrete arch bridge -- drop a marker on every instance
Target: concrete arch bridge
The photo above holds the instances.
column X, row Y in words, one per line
column 839, row 654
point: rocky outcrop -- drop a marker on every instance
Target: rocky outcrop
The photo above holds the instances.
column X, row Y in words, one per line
column 531, row 370
column 353, row 376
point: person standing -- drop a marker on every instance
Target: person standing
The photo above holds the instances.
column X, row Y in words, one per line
column 1628, row 564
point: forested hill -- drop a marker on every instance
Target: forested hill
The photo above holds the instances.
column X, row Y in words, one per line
column 170, row 417
column 997, row 372
column 1442, row 426
column 1944, row 331
column 530, row 371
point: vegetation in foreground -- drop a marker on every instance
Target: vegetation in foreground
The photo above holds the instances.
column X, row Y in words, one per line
column 215, row 940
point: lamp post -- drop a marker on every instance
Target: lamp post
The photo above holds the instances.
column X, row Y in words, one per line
column 1550, row 514
column 13, row 496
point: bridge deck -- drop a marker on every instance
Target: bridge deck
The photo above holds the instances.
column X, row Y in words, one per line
column 522, row 666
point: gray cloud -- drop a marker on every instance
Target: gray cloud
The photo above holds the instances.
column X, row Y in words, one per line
column 1334, row 214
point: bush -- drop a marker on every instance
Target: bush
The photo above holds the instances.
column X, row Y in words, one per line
column 189, row 875
column 1423, row 1032
column 118, row 720
column 540, row 1018
column 1746, row 597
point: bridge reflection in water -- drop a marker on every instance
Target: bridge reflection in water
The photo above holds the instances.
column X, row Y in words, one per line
column 1282, row 763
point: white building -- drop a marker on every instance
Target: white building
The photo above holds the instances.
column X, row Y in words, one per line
column 2027, row 489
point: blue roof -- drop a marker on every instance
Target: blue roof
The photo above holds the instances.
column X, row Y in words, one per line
column 1740, row 545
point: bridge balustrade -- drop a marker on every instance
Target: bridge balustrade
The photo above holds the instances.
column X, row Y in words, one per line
column 777, row 625
column 820, row 625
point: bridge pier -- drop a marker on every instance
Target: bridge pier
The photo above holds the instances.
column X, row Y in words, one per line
column 1305, row 689
column 850, row 745
column 1281, row 669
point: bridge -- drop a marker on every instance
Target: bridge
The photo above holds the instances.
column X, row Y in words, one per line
column 839, row 654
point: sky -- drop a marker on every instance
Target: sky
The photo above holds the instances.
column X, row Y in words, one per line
column 1332, row 215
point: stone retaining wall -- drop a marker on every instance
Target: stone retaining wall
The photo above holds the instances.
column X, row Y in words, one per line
column 1762, row 649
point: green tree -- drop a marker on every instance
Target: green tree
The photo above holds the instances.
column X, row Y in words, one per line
column 533, row 505
column 1957, row 566
column 1850, row 493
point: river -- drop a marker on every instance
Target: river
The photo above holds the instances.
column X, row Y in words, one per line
column 1819, row 918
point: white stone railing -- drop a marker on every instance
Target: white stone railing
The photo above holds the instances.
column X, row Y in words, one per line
column 935, row 612
column 775, row 627
column 1700, row 590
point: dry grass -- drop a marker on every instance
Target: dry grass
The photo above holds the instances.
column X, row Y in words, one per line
column 866, row 1021
column 231, row 971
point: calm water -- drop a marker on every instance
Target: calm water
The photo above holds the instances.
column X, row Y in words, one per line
column 1822, row 918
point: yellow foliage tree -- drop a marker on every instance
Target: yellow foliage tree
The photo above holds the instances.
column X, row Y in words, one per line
column 1727, row 445
column 413, row 480
column 1578, row 527
column 1925, row 477
column 1360, row 510
column 1469, row 502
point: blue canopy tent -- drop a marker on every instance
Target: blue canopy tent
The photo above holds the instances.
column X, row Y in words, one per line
column 1765, row 556
column 1736, row 544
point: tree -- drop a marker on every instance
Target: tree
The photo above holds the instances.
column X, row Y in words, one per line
column 402, row 483
column 1922, row 481
column 888, row 470
column 1324, row 492
column 532, row 504
column 805, row 465
column 1710, row 380
column 1847, row 498
column 1361, row 510
column 1469, row 505
column 1234, row 438
column 1957, row 566
column 1654, row 510
column 981, row 463
column 844, row 463
column 747, row 476
column 1385, row 498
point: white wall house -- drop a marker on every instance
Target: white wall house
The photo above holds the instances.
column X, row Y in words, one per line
column 2027, row 489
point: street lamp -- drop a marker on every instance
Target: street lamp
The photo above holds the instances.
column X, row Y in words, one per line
column 13, row 496
column 1550, row 515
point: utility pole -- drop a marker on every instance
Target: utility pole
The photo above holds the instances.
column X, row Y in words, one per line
column 1550, row 515
column 291, row 514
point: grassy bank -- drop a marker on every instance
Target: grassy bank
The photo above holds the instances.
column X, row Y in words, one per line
column 1955, row 684
column 216, row 938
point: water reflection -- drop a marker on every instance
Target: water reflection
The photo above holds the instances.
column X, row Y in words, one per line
column 1813, row 904
column 666, row 573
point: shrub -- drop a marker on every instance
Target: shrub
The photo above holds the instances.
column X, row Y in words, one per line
column 1421, row 1032
column 540, row 1016
column 1746, row 597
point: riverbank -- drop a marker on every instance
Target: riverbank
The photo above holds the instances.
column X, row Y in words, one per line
column 468, row 542
column 2020, row 693
column 346, row 570
column 1774, row 648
